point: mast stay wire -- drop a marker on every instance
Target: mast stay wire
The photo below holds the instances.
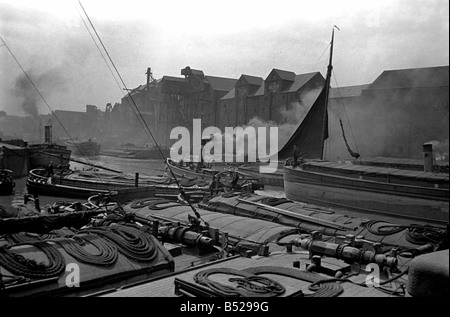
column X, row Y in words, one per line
column 109, row 67
column 105, row 60
column 346, row 115
column 141, row 117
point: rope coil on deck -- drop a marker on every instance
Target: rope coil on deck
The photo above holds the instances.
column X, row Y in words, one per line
column 249, row 286
column 274, row 201
column 25, row 237
column 19, row 265
column 321, row 288
column 416, row 234
column 107, row 252
column 153, row 203
column 130, row 241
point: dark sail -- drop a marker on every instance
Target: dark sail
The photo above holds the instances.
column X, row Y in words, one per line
column 311, row 133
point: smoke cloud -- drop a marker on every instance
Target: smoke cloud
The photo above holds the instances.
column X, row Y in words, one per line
column 47, row 83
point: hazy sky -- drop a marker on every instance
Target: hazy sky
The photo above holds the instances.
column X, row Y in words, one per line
column 223, row 38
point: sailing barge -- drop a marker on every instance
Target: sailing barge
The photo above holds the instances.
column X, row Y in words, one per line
column 422, row 195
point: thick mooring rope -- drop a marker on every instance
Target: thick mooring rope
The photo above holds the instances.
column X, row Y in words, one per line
column 19, row 265
column 249, row 286
column 130, row 241
column 107, row 252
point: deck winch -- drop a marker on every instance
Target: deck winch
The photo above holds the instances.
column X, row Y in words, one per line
column 344, row 251
column 184, row 235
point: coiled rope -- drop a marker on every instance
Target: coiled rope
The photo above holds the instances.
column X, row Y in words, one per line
column 321, row 288
column 416, row 234
column 249, row 286
column 107, row 253
column 19, row 265
column 130, row 241
column 273, row 201
column 26, row 237
column 153, row 203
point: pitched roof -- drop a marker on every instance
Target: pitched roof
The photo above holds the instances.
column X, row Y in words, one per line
column 284, row 74
column 253, row 80
column 221, row 83
column 300, row 81
column 260, row 91
column 171, row 78
column 412, row 78
column 347, row 92
column 229, row 95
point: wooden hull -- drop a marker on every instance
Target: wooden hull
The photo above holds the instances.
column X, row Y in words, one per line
column 368, row 197
column 84, row 188
column 245, row 180
column 141, row 154
column 186, row 172
column 41, row 157
column 269, row 179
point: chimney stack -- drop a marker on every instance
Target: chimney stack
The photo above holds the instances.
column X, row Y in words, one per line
column 48, row 134
column 428, row 158
column 149, row 72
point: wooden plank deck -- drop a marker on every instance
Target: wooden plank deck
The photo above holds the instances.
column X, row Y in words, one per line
column 380, row 170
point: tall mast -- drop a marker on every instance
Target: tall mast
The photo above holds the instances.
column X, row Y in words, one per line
column 327, row 85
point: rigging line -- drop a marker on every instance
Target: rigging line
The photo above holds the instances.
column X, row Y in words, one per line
column 106, row 62
column 136, row 112
column 40, row 95
column 109, row 67
column 325, row 50
column 140, row 114
column 103, row 56
column 345, row 111
column 139, row 119
column 100, row 51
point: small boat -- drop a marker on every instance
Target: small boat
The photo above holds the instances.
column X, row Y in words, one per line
column 132, row 151
column 368, row 189
column 7, row 183
column 83, row 184
column 199, row 171
column 84, row 148
column 40, row 155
